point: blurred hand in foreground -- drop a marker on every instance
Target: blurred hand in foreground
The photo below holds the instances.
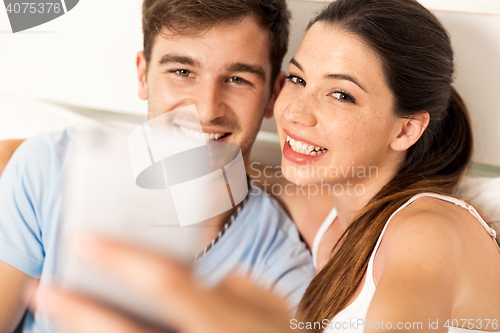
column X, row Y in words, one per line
column 234, row 305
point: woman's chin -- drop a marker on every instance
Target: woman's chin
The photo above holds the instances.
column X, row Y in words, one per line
column 298, row 177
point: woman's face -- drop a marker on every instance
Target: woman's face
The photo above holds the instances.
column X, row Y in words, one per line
column 337, row 110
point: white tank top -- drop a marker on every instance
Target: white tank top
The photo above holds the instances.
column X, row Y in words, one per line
column 352, row 318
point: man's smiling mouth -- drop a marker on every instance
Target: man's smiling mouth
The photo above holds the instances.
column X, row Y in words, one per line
column 215, row 136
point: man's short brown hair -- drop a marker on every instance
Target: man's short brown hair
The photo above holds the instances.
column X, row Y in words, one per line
column 190, row 17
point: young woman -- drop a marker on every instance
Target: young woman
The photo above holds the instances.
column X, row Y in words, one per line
column 368, row 110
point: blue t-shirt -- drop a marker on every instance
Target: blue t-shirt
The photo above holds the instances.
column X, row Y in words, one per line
column 261, row 242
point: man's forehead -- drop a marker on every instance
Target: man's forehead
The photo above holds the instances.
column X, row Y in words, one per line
column 225, row 44
column 248, row 23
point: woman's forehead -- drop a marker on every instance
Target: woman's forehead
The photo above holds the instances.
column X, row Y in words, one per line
column 328, row 48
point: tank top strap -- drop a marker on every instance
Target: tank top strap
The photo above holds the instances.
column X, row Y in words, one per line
column 470, row 208
column 321, row 232
column 456, row 201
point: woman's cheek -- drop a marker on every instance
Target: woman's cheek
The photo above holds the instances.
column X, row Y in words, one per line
column 279, row 108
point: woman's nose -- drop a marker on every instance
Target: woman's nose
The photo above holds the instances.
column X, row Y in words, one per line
column 301, row 111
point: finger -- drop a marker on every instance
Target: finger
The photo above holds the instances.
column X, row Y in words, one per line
column 166, row 283
column 253, row 296
column 235, row 305
column 78, row 314
column 172, row 290
column 252, row 308
column 139, row 268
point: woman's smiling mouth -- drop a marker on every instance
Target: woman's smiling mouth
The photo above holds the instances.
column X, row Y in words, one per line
column 301, row 151
column 304, row 148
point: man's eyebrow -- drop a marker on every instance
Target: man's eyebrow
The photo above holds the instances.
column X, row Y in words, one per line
column 345, row 77
column 252, row 69
column 181, row 59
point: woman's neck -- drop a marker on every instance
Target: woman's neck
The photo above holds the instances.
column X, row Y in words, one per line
column 357, row 194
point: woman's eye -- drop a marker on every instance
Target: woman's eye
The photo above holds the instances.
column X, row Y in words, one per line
column 183, row 72
column 343, row 97
column 296, row 80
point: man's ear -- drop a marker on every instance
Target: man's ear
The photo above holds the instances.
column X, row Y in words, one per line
column 410, row 130
column 141, row 75
column 278, row 85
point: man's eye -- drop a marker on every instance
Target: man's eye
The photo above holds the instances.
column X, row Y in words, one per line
column 296, row 80
column 237, row 80
column 343, row 97
column 183, row 72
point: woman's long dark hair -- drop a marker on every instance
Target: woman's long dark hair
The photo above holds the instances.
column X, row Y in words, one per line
column 417, row 60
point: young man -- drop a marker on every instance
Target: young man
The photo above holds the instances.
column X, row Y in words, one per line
column 224, row 56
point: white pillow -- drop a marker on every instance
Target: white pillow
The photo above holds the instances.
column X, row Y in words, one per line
column 22, row 117
column 483, row 192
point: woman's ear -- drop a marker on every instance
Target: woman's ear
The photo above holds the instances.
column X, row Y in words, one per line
column 141, row 75
column 409, row 131
column 278, row 85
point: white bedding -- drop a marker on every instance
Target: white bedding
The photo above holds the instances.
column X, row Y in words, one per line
column 23, row 117
column 485, row 193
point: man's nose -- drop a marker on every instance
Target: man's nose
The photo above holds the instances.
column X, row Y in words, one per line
column 210, row 102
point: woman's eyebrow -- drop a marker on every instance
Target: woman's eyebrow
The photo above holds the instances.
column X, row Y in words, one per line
column 294, row 62
column 345, row 77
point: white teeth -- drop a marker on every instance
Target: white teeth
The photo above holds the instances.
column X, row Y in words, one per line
column 304, row 148
column 202, row 136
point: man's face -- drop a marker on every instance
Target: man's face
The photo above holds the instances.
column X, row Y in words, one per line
column 224, row 71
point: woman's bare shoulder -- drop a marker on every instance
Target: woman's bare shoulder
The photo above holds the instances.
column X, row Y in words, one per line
column 427, row 216
column 432, row 228
column 427, row 232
